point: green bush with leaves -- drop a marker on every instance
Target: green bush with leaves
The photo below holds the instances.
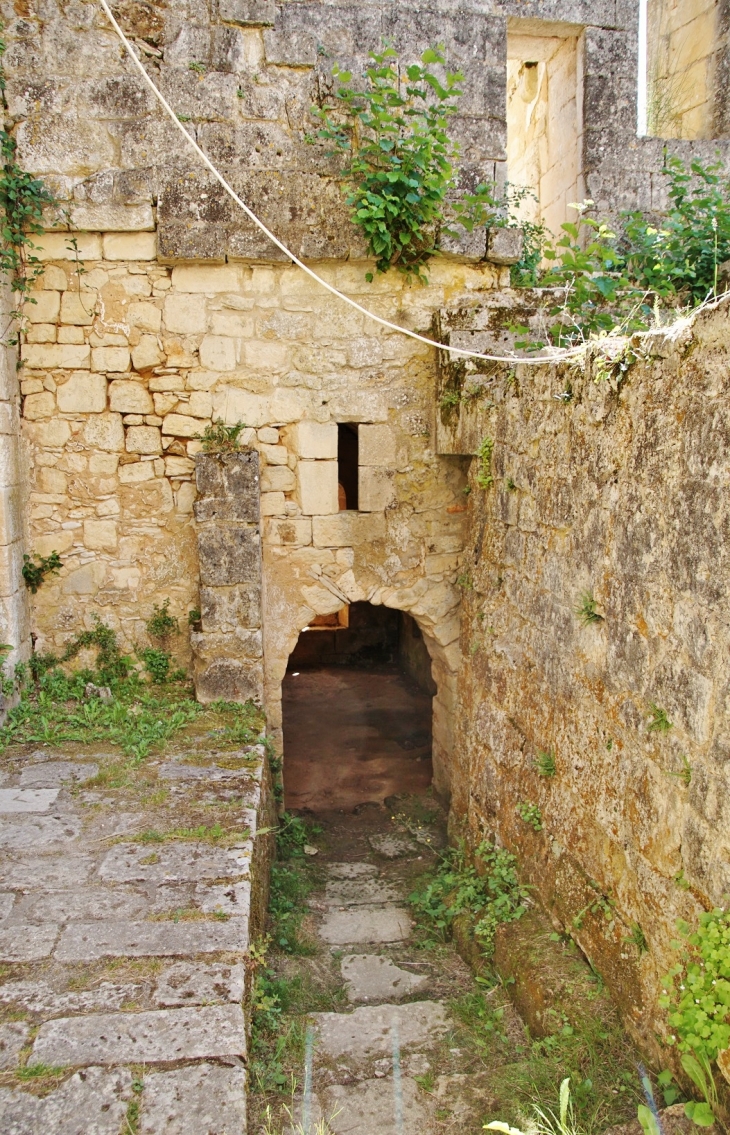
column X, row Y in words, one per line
column 398, row 154
column 36, row 568
column 161, row 624
column 220, row 438
column 484, row 885
column 697, row 989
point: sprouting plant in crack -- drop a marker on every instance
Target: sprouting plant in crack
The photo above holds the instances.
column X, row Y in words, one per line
column 530, row 814
column 658, row 722
column 545, row 763
column 685, row 773
column 637, row 937
column 484, row 476
column 586, row 609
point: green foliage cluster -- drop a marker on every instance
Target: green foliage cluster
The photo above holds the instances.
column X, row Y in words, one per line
column 220, row 438
column 157, row 663
column 161, row 623
column 485, row 886
column 586, row 609
column 36, row 568
column 530, row 814
column 545, row 764
column 291, row 882
column 484, row 476
column 697, row 988
column 658, row 722
column 22, row 200
column 399, row 157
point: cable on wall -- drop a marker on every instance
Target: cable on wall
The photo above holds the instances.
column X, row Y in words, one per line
column 557, row 355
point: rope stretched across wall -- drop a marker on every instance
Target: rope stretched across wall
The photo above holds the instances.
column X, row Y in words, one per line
column 556, row 355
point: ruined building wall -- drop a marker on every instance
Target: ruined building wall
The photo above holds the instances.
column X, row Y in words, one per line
column 683, row 46
column 622, row 495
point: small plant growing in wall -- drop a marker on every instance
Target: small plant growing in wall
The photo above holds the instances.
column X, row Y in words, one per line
column 636, row 937
column 586, row 609
column 36, row 568
column 195, row 619
column 220, row 438
column 161, row 623
column 684, row 775
column 658, row 721
column 484, row 469
column 530, row 814
column 545, row 764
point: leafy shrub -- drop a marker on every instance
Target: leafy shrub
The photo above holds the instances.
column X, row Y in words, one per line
column 398, row 155
column 157, row 663
column 487, row 888
column 161, row 623
column 36, row 568
column 697, row 993
column 220, row 438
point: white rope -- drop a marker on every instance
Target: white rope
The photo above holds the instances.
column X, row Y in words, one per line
column 556, row 356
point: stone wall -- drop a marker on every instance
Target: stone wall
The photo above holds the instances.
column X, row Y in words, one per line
column 620, row 492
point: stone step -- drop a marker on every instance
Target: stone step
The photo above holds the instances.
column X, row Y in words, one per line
column 365, row 924
column 372, row 977
column 374, row 1030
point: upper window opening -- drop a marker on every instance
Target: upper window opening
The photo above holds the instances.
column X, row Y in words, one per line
column 347, row 465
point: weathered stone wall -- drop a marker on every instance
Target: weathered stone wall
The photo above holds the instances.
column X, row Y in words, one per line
column 622, row 494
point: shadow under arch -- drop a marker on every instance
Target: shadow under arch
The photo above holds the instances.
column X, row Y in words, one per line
column 357, row 710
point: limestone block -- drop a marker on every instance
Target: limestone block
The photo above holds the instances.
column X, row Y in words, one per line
column 84, row 393
column 186, row 314
column 104, row 464
column 295, row 531
column 217, row 352
column 51, row 481
column 164, row 403
column 230, row 679
column 179, row 467
column 44, row 333
column 100, row 535
column 87, row 941
column 273, row 504
column 59, row 542
column 43, row 307
column 229, row 555
column 55, row 246
column 248, row 13
column 52, row 356
column 239, row 406
column 200, row 404
column 147, row 353
column 185, row 497
column 143, row 439
column 136, row 472
column 199, row 278
column 277, row 478
column 48, row 435
column 228, row 485
column 100, row 1097
column 347, row 529
column 376, row 445
column 104, row 431
column 181, row 425
column 315, row 439
column 376, row 490
column 110, row 359
column 227, row 608
column 130, row 398
column 275, row 454
column 504, row 246
column 39, row 406
column 85, row 580
column 317, row 492
column 77, row 308
column 146, row 316
column 129, row 246
column 110, row 217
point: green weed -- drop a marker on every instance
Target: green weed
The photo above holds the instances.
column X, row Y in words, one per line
column 36, row 568
column 161, row 623
column 530, row 814
column 586, row 609
column 220, row 438
column 658, row 722
column 545, row 763
column 484, row 476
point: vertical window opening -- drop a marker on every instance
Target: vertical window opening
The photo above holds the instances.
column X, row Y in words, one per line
column 347, row 465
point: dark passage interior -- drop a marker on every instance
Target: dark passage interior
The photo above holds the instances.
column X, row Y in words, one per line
column 357, row 710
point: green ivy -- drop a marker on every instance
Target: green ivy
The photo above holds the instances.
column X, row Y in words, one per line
column 36, row 568
column 399, row 157
column 484, row 475
column 22, row 200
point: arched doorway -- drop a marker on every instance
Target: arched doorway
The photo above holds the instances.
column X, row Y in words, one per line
column 357, row 710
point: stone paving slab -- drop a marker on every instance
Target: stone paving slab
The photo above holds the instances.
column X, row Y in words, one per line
column 86, row 941
column 54, row 773
column 365, row 924
column 48, row 832
column 91, row 1102
column 204, row 1100
column 368, row 1031
column 82, row 905
column 170, row 862
column 372, row 977
column 26, row 942
column 48, row 873
column 361, row 892
column 7, row 902
column 167, row 1035
column 41, row 997
column 27, row 799
column 352, row 870
column 392, row 846
column 378, row 1107
column 190, row 983
column 13, row 1035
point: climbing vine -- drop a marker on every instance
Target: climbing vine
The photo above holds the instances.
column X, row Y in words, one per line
column 22, row 200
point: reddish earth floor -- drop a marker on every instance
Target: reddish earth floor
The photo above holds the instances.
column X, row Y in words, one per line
column 353, row 736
